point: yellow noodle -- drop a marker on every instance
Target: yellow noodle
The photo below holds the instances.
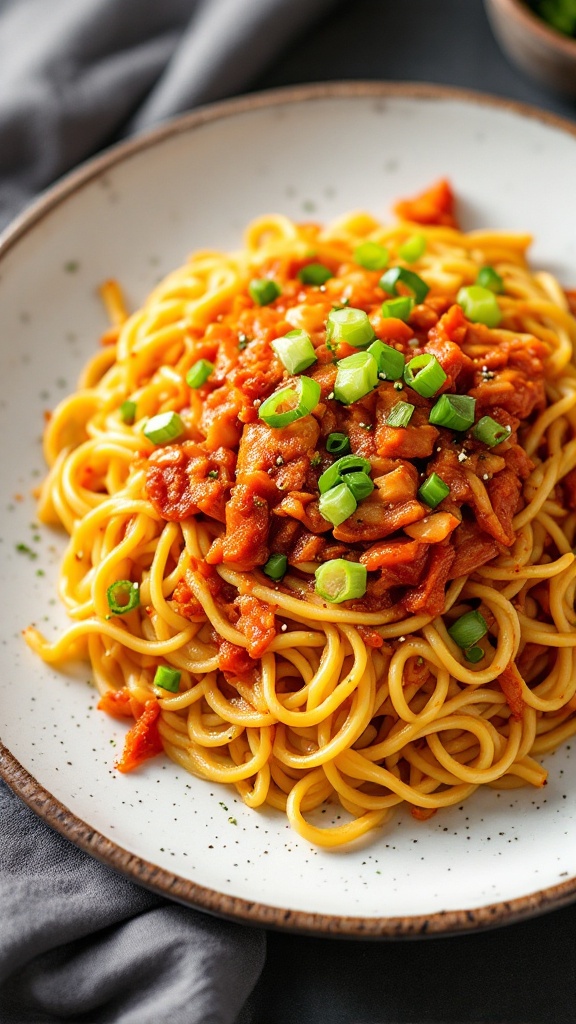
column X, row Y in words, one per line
column 327, row 716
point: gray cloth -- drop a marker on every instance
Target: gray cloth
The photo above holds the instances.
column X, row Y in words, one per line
column 77, row 74
column 78, row 942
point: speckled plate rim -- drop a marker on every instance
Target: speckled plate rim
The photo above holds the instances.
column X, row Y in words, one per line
column 61, row 818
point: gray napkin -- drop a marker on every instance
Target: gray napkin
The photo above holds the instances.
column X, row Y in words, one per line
column 75, row 75
column 78, row 942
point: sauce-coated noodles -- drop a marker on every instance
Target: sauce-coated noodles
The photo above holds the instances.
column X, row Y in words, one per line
column 211, row 525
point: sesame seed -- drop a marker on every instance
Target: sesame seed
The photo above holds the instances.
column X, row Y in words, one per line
column 485, row 476
column 331, row 395
column 283, row 627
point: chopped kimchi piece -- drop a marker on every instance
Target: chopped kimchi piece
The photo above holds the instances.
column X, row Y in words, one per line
column 143, row 739
column 119, row 704
column 434, row 206
column 511, row 685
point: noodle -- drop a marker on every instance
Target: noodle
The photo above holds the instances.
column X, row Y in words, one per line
column 269, row 683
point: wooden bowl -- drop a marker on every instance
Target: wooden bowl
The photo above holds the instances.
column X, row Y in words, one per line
column 543, row 53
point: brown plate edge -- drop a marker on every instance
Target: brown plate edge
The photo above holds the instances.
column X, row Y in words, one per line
column 61, row 818
column 174, row 887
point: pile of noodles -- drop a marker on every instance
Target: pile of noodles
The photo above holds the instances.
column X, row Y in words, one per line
column 364, row 707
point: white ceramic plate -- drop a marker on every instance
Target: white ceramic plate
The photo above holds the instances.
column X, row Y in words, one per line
column 135, row 214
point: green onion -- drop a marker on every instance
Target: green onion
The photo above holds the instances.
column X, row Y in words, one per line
column 480, row 305
column 390, row 362
column 413, row 248
column 337, row 504
column 339, row 580
column 399, row 308
column 123, row 596
column 468, row 630
column 337, row 444
column 474, row 654
column 295, row 351
column 276, row 567
column 350, row 325
column 128, row 411
column 167, row 678
column 490, row 432
column 356, row 376
column 338, row 470
column 453, row 411
column 424, row 374
column 263, row 290
column 400, row 415
column 371, row 256
column 294, row 402
column 489, row 278
column 315, row 273
column 198, row 373
column 360, row 484
column 389, row 283
column 166, row 426
column 433, row 490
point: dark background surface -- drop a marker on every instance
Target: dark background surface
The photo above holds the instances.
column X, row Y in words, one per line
column 524, row 973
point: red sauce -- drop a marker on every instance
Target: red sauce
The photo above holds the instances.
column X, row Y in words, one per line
column 260, row 483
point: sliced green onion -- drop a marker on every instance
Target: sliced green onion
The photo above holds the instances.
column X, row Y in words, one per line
column 490, row 432
column 489, row 278
column 371, row 256
column 400, row 415
column 468, row 630
column 339, row 580
column 198, row 373
column 389, row 283
column 433, row 490
column 390, row 361
column 167, row 678
column 276, row 567
column 480, row 305
column 337, row 444
column 166, row 426
column 128, row 411
column 263, row 290
column 356, row 376
column 424, row 374
column 338, row 470
column 290, row 403
column 453, row 411
column 474, row 654
column 413, row 248
column 360, row 484
column 295, row 351
column 399, row 308
column 350, row 325
column 123, row 596
column 315, row 273
column 337, row 504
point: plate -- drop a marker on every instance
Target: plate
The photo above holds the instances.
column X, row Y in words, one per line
column 134, row 214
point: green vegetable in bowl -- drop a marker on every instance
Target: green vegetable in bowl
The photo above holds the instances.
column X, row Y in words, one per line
column 560, row 14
